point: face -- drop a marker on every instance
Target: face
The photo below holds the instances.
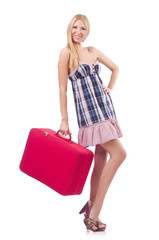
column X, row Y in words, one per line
column 79, row 31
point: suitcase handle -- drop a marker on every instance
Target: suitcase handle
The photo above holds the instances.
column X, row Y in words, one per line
column 67, row 139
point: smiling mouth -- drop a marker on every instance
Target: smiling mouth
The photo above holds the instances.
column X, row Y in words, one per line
column 76, row 36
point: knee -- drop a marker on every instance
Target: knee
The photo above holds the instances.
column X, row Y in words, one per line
column 101, row 155
column 122, row 155
column 101, row 152
column 119, row 156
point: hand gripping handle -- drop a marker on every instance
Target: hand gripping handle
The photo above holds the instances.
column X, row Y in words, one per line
column 64, row 138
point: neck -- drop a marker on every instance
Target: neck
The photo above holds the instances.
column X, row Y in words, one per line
column 79, row 46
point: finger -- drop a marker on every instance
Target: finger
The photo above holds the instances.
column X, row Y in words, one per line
column 66, row 132
column 61, row 132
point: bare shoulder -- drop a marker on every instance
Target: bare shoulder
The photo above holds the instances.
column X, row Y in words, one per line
column 65, row 52
column 93, row 51
column 64, row 57
column 102, row 58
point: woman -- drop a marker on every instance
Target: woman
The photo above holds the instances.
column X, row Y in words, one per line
column 97, row 121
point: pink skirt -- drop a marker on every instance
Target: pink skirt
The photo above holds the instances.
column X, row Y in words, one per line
column 99, row 132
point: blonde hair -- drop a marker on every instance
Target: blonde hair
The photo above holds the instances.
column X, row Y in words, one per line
column 74, row 57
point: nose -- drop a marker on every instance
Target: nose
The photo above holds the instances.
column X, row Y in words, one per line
column 78, row 30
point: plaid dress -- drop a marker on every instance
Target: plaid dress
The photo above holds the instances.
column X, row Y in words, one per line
column 93, row 105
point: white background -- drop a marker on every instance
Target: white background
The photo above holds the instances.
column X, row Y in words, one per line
column 32, row 33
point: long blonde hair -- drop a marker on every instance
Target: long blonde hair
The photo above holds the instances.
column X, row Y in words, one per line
column 74, row 57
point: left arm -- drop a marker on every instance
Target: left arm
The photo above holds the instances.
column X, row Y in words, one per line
column 111, row 65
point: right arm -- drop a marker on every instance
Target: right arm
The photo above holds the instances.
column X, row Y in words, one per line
column 63, row 78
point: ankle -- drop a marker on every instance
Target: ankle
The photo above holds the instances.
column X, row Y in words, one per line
column 93, row 214
column 94, row 218
column 91, row 199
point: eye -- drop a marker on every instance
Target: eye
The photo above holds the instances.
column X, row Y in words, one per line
column 74, row 26
column 84, row 28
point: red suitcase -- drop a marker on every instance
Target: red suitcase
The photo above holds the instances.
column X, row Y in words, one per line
column 56, row 161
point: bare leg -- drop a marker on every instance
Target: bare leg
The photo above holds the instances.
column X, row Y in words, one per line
column 100, row 159
column 117, row 156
